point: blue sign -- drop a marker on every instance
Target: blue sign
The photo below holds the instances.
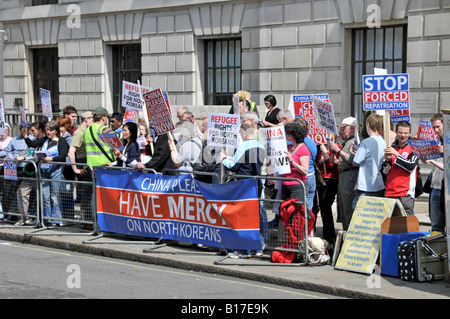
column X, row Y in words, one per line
column 386, row 92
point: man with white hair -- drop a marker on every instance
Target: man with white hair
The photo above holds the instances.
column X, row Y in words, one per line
column 348, row 174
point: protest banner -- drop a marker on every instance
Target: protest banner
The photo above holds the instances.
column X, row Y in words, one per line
column 131, row 95
column 179, row 208
column 274, row 142
column 425, row 131
column 426, row 149
column 302, row 105
column 46, row 102
column 10, row 167
column 361, row 246
column 223, row 130
column 158, row 112
column 325, row 115
column 385, row 92
column 112, row 140
column 2, row 119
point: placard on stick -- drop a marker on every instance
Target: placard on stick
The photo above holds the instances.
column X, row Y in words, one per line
column 158, row 112
column 362, row 243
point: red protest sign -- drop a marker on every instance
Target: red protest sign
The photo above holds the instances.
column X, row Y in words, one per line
column 158, row 111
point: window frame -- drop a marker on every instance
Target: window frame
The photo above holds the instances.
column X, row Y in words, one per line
column 213, row 96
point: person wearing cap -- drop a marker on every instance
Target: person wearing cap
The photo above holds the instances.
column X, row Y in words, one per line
column 77, row 154
column 348, row 174
column 77, row 150
column 97, row 152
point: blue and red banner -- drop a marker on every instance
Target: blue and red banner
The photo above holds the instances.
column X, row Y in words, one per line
column 179, row 208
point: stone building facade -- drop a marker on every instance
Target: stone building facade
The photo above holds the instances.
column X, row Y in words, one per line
column 78, row 49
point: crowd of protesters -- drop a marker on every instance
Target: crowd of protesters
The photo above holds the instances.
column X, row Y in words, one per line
column 350, row 169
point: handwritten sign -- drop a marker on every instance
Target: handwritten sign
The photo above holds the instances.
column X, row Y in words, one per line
column 159, row 112
column 223, row 130
column 325, row 115
column 274, row 141
column 362, row 242
column 426, row 149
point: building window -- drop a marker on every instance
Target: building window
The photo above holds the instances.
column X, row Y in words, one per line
column 43, row 2
column 126, row 67
column 46, row 76
column 383, row 48
column 223, row 70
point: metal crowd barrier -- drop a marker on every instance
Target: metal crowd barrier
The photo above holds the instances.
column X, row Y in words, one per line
column 100, row 234
column 276, row 237
column 67, row 203
column 19, row 202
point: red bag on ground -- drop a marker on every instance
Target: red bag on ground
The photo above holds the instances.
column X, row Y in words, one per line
column 293, row 217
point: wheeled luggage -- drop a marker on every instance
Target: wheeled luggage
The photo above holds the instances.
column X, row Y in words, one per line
column 423, row 259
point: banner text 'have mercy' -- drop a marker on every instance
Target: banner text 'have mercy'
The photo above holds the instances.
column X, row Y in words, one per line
column 178, row 208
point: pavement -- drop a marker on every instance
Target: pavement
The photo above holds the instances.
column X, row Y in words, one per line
column 324, row 279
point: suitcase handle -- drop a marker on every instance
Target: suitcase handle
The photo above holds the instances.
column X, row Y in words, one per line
column 429, row 251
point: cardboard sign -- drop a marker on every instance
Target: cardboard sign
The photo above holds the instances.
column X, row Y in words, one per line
column 223, row 130
column 325, row 115
column 112, row 140
column 425, row 131
column 46, row 101
column 274, row 141
column 426, row 149
column 131, row 99
column 302, row 105
column 159, row 112
column 361, row 247
column 385, row 92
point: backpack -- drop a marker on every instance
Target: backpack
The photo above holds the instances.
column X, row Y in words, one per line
column 205, row 165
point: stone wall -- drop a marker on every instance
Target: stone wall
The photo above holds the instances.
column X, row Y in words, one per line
column 287, row 47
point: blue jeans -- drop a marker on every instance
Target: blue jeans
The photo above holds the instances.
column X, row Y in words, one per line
column 436, row 214
column 311, row 191
column 50, row 192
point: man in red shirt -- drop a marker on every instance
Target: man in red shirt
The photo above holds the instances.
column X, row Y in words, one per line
column 401, row 168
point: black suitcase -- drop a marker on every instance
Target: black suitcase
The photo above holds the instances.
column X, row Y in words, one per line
column 407, row 260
